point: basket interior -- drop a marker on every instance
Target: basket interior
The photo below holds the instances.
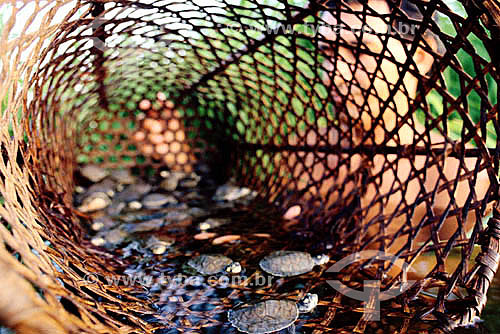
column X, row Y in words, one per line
column 379, row 119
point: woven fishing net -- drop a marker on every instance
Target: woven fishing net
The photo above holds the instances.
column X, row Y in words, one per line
column 378, row 118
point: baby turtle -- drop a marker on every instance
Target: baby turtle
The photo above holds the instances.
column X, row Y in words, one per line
column 271, row 315
column 208, row 264
column 291, row 263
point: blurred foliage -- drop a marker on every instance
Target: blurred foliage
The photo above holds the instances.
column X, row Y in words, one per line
column 452, row 83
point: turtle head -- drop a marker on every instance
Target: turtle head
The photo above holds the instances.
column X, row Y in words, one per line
column 308, row 303
column 233, row 268
column 321, row 259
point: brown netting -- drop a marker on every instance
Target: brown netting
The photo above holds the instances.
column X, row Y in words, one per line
column 382, row 125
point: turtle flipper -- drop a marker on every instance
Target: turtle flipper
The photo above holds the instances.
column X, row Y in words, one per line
column 291, row 329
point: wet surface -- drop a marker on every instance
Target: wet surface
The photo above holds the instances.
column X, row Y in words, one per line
column 156, row 225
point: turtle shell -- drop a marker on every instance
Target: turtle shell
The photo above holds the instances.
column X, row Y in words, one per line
column 264, row 317
column 287, row 263
column 207, row 264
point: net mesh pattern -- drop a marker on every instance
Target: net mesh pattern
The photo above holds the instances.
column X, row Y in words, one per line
column 378, row 118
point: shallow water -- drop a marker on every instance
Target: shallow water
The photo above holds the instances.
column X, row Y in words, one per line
column 245, row 230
